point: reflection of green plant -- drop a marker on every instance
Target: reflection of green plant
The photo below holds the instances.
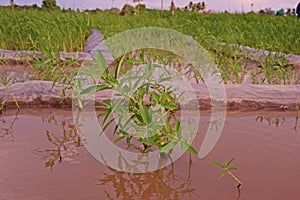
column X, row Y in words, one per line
column 165, row 183
column 297, row 117
column 66, row 143
column 145, row 105
column 7, row 126
column 271, row 120
column 228, row 169
column 2, row 106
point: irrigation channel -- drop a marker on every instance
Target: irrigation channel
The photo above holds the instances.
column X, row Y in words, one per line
column 43, row 157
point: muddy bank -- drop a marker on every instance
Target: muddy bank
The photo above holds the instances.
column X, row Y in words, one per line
column 238, row 97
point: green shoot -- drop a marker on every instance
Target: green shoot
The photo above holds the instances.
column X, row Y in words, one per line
column 226, row 166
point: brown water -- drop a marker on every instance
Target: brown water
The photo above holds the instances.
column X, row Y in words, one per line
column 42, row 158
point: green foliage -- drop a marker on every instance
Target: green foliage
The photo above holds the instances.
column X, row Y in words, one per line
column 143, row 107
column 6, row 81
column 226, row 166
column 51, row 67
column 30, row 29
column 273, row 70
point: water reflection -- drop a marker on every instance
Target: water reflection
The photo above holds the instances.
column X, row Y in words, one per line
column 277, row 121
column 271, row 120
column 66, row 142
column 6, row 130
column 296, row 123
column 166, row 183
column 239, row 193
column 297, row 118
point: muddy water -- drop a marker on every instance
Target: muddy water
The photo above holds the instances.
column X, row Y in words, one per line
column 42, row 158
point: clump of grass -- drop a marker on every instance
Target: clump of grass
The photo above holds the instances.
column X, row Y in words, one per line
column 231, row 66
column 273, row 70
column 5, row 81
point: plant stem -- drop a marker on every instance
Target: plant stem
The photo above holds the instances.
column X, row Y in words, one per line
column 234, row 177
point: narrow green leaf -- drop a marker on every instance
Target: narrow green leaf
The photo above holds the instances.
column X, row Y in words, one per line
column 167, row 96
column 119, row 139
column 107, row 103
column 141, row 92
column 170, row 106
column 55, row 81
column 144, row 113
column 128, row 142
column 188, row 147
column 142, row 57
column 102, row 113
column 101, row 107
column 132, row 61
column 89, row 90
column 131, row 78
column 91, row 72
column 161, row 60
column 141, row 133
column 117, row 71
column 101, row 63
column 113, row 107
column 47, row 52
column 107, row 124
column 57, row 55
column 168, row 146
column 148, row 148
column 230, row 161
column 178, row 129
column 233, row 168
column 217, row 164
column 139, row 117
column 102, row 87
column 115, row 130
column 221, row 175
column 137, row 83
column 107, row 115
column 147, row 142
column 127, row 122
column 155, row 96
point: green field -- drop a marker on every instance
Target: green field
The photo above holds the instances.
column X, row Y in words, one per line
column 66, row 31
